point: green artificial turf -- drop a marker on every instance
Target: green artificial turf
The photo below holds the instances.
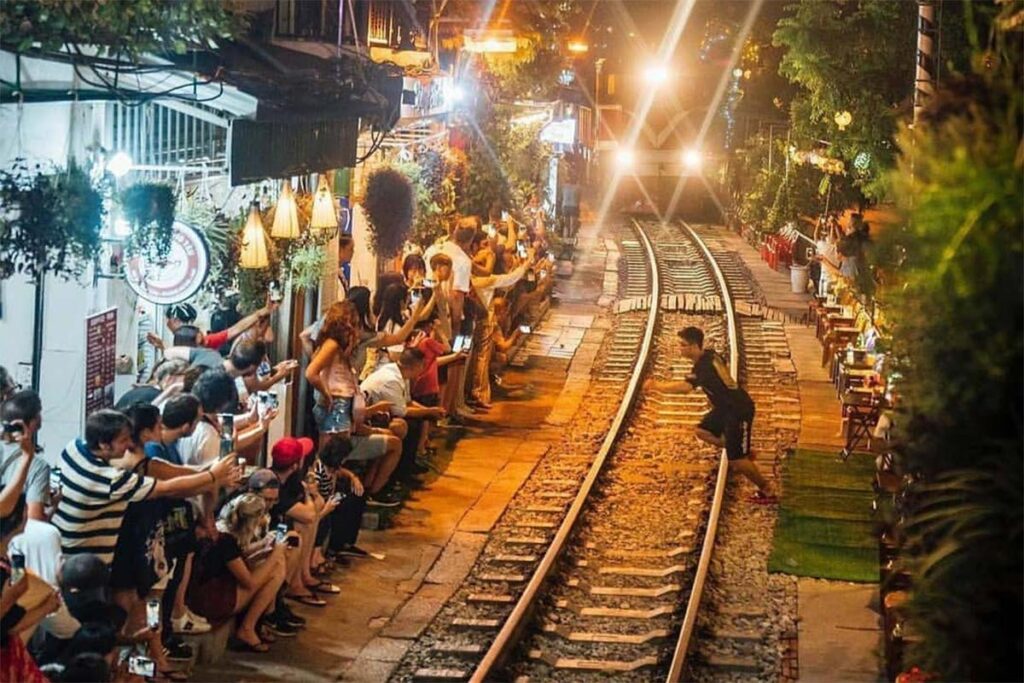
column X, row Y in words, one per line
column 825, row 528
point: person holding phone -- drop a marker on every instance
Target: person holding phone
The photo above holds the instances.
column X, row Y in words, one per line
column 223, row 585
column 21, row 469
column 484, row 333
column 340, row 527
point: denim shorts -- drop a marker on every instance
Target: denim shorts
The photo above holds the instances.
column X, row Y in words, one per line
column 337, row 419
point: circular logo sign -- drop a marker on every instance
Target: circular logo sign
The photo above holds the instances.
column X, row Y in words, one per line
column 187, row 266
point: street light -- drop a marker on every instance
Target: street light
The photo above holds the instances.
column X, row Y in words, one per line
column 624, row 158
column 656, row 74
column 119, row 164
column 692, row 159
column 578, row 47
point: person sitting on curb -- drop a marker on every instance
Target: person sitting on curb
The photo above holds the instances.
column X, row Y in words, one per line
column 731, row 419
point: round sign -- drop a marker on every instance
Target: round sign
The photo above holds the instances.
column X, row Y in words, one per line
column 188, row 264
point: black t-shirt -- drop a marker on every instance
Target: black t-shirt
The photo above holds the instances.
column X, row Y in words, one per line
column 216, row 558
column 292, row 493
column 711, row 374
column 143, row 394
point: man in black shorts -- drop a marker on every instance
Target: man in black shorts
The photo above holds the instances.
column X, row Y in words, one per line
column 732, row 410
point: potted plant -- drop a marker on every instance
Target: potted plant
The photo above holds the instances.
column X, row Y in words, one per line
column 149, row 209
column 49, row 223
column 389, row 205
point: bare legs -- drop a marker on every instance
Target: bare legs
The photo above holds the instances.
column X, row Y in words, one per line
column 259, row 598
column 744, row 466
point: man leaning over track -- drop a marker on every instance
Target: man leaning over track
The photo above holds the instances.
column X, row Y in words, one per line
column 731, row 418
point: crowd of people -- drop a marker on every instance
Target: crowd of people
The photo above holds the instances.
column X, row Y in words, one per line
column 171, row 514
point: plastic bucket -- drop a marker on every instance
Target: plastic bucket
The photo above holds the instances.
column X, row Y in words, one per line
column 798, row 279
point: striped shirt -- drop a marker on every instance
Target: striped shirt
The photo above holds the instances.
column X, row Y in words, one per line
column 95, row 497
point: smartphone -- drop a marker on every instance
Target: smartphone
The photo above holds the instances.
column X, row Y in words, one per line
column 467, row 343
column 292, row 541
column 428, row 283
column 521, row 249
column 55, row 482
column 141, row 666
column 227, row 424
column 491, row 231
column 415, row 295
column 504, row 215
column 17, row 568
column 276, row 295
column 264, row 369
column 153, row 614
column 227, row 444
column 281, row 532
column 460, row 343
column 525, row 329
column 336, row 497
column 551, row 257
column 14, row 428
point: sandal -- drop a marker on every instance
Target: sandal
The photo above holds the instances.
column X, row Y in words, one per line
column 266, row 635
column 325, row 587
column 310, row 600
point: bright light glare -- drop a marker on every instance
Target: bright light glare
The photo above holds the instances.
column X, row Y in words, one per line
column 119, row 164
column 656, row 74
column 457, row 93
column 692, row 158
column 578, row 46
column 624, row 158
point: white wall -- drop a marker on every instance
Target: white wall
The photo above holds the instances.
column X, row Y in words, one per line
column 48, row 134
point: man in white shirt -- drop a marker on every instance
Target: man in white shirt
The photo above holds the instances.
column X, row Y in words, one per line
column 390, row 383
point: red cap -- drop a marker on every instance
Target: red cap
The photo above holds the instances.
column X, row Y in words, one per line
column 289, row 450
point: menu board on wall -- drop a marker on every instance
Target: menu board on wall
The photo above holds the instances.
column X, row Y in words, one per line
column 100, row 355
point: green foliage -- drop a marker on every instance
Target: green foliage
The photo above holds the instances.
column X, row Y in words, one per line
column 149, row 209
column 432, row 177
column 389, row 204
column 50, row 223
column 849, row 56
column 956, row 310
column 306, row 264
column 123, row 28
column 508, row 162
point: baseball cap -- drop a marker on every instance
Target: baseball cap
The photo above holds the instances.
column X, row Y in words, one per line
column 263, row 479
column 289, row 450
column 84, row 582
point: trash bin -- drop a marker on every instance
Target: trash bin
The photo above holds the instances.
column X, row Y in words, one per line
column 798, row 279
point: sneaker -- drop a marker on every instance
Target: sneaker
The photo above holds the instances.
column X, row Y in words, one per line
column 353, row 551
column 190, row 624
column 178, row 651
column 383, row 500
column 281, row 628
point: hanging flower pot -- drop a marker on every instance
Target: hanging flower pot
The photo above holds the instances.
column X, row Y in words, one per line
column 389, row 206
column 149, row 210
column 49, row 223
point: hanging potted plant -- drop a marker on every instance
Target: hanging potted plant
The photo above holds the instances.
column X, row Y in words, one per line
column 49, row 223
column 149, row 209
column 389, row 206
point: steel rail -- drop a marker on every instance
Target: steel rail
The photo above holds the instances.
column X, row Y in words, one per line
column 675, row 671
column 511, row 630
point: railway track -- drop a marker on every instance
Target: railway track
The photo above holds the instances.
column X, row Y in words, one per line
column 598, row 564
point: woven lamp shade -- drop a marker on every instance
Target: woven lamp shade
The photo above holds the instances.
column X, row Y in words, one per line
column 286, row 215
column 254, row 241
column 325, row 215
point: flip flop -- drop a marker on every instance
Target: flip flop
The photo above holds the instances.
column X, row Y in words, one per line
column 310, row 600
column 239, row 645
column 325, row 587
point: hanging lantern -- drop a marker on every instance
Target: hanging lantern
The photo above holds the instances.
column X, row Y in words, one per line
column 843, row 119
column 254, row 241
column 286, row 215
column 325, row 217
